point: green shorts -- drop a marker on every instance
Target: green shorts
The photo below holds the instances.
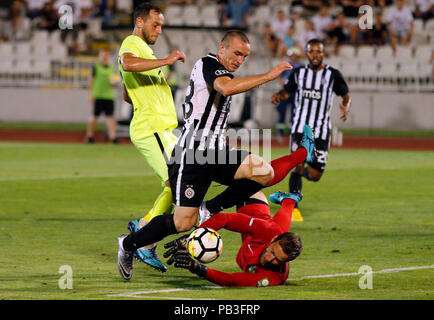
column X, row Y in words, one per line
column 157, row 149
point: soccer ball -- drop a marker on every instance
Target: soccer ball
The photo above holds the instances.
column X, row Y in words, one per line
column 204, row 245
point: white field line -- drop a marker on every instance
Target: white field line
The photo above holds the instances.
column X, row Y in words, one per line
column 141, row 294
column 335, row 275
column 79, row 176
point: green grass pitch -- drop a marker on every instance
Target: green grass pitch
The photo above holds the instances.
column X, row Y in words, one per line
column 66, row 204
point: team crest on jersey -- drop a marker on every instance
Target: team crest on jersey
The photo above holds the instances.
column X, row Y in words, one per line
column 189, row 192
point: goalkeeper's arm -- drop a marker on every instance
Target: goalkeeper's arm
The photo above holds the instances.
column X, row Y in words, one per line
column 242, row 279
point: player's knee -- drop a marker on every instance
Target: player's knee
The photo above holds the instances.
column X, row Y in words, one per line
column 185, row 220
column 268, row 174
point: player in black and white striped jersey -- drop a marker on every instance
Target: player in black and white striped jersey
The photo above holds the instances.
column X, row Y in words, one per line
column 206, row 110
column 313, row 86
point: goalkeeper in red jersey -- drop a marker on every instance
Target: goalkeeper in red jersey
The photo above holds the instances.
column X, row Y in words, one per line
column 267, row 246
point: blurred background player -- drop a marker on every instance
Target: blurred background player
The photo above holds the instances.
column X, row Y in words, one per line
column 313, row 86
column 101, row 93
column 267, row 246
column 146, row 88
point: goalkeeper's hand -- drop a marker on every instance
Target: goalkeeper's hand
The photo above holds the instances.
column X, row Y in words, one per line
column 174, row 246
column 183, row 260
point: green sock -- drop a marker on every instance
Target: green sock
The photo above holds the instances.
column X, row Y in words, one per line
column 162, row 205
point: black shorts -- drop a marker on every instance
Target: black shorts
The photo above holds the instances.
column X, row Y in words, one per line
column 190, row 180
column 106, row 106
column 322, row 147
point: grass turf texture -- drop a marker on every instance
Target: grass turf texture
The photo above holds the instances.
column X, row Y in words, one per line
column 66, row 204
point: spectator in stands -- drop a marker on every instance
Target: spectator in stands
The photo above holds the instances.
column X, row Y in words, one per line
column 34, row 7
column 424, row 9
column 400, row 24
column 339, row 32
column 83, row 10
column 307, row 34
column 351, row 7
column 101, row 94
column 322, row 22
column 105, row 9
column 49, row 19
column 271, row 40
column 334, row 8
column 19, row 25
column 294, row 56
column 310, row 7
column 378, row 34
column 280, row 26
column 289, row 41
column 238, row 12
column 176, row 2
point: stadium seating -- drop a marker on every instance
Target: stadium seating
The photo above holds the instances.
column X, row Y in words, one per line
column 209, row 16
column 366, row 53
column 191, row 16
column 347, row 52
column 404, row 53
column 384, row 54
column 173, row 15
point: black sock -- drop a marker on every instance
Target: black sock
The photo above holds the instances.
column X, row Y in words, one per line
column 295, row 183
column 157, row 229
column 237, row 192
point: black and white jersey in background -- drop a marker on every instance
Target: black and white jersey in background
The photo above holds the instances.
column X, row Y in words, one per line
column 206, row 111
column 314, row 98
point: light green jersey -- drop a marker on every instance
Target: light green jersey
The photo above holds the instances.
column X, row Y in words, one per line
column 154, row 109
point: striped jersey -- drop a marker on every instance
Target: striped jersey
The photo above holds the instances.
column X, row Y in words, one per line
column 314, row 98
column 205, row 110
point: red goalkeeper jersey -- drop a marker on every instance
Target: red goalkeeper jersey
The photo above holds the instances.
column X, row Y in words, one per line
column 257, row 229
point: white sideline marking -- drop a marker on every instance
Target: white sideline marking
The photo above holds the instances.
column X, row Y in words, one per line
column 142, row 294
column 335, row 275
column 79, row 176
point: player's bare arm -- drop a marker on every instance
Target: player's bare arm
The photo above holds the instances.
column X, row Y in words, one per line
column 228, row 86
column 345, row 107
column 132, row 63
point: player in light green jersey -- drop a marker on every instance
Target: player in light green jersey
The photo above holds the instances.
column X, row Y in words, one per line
column 146, row 88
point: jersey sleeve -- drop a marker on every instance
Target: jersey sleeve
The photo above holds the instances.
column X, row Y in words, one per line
column 129, row 46
column 237, row 222
column 245, row 279
column 291, row 84
column 340, row 87
column 212, row 69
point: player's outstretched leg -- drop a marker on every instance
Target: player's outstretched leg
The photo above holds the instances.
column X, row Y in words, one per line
column 308, row 142
column 146, row 255
column 125, row 259
column 277, row 197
